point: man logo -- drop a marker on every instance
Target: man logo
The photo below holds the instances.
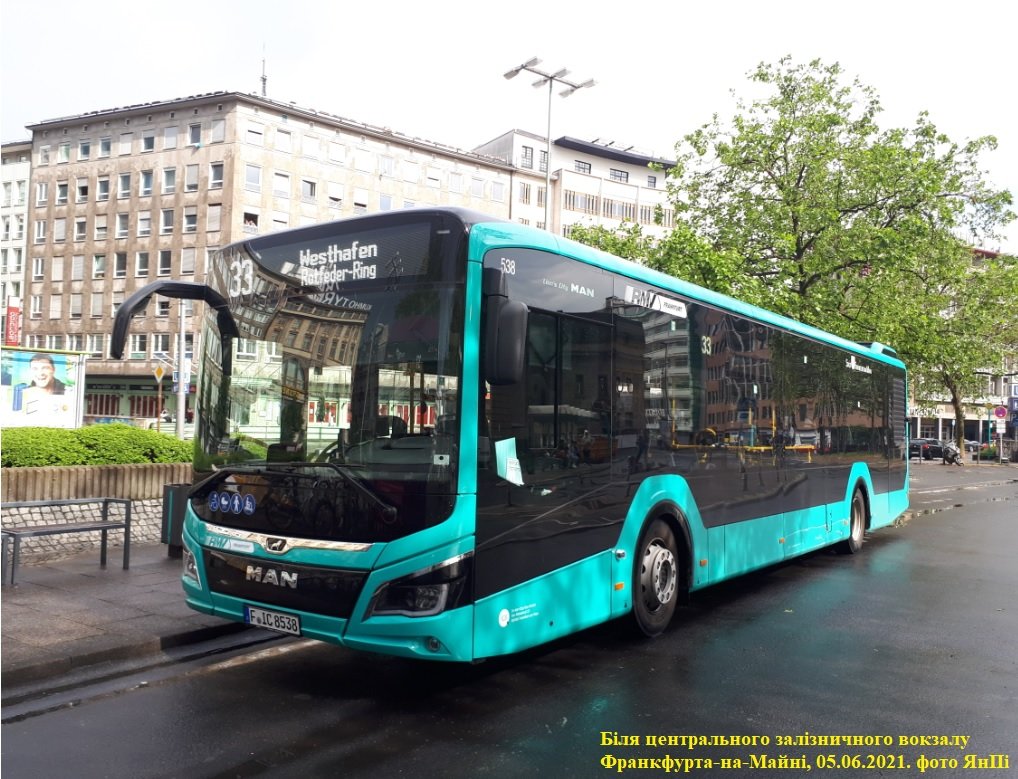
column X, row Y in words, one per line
column 275, row 545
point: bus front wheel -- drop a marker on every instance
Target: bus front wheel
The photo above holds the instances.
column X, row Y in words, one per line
column 857, row 525
column 655, row 578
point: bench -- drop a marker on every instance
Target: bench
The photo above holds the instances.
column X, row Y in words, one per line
column 103, row 526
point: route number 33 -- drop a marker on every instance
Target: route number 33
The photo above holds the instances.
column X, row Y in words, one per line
column 241, row 277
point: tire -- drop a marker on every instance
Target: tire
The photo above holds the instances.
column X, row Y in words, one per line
column 655, row 578
column 857, row 525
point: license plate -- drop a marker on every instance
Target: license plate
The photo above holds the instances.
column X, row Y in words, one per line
column 272, row 620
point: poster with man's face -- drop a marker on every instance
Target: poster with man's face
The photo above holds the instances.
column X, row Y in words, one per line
column 40, row 389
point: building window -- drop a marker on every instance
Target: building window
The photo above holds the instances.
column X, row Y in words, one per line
column 217, row 133
column 148, row 141
column 477, row 187
column 100, row 227
column 255, row 135
column 139, row 347
column 35, row 307
column 141, row 264
column 190, row 219
column 187, row 261
column 54, row 306
column 166, row 221
column 124, row 185
column 308, row 190
column 165, row 262
column 102, row 189
column 38, row 268
column 56, row 270
column 61, row 193
column 40, row 231
column 544, row 161
column 144, row 223
column 162, row 307
column 213, row 218
column 120, row 265
column 74, row 302
column 118, row 299
column 250, row 222
column 105, row 147
column 64, row 153
column 216, row 175
column 75, row 341
column 41, row 193
column 169, row 180
column 498, row 191
column 283, row 141
column 581, row 167
column 122, row 225
column 77, row 267
column 98, row 266
column 194, row 134
column 335, row 195
column 527, row 157
column 126, row 140
column 59, row 230
column 170, row 138
column 80, row 228
column 621, row 176
column 524, row 193
column 253, row 178
column 55, row 341
column 95, row 344
column 84, row 150
column 652, row 182
column 145, row 183
column 281, row 185
column 160, row 344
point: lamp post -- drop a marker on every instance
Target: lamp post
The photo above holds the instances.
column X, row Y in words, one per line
column 559, row 77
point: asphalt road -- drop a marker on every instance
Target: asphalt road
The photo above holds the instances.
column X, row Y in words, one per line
column 914, row 641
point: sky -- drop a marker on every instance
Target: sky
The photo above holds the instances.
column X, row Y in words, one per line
column 434, row 70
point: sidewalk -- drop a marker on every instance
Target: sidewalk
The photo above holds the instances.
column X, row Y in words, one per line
column 71, row 613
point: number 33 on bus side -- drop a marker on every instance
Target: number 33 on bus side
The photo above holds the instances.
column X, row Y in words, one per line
column 241, row 278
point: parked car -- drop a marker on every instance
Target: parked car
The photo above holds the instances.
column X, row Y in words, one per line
column 927, row 448
column 973, row 446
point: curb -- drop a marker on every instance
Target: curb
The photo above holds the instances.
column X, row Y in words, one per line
column 49, row 669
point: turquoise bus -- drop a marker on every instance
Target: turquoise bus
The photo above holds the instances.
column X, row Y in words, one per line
column 434, row 434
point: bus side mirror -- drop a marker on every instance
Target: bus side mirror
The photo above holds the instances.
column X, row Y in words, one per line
column 505, row 332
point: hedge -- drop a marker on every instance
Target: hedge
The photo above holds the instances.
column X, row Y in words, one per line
column 23, row 447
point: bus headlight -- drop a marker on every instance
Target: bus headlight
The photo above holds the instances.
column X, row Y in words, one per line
column 190, row 566
column 424, row 593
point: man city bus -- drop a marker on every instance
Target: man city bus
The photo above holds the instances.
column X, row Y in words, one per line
column 434, row 434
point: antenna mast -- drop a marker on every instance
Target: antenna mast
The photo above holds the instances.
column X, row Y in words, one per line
column 265, row 78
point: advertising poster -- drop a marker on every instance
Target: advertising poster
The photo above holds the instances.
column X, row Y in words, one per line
column 41, row 388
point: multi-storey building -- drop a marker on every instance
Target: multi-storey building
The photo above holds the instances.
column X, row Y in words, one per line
column 16, row 170
column 125, row 196
column 592, row 183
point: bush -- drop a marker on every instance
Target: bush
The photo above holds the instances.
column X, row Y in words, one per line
column 24, row 447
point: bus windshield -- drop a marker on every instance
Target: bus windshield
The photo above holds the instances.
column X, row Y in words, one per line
column 336, row 408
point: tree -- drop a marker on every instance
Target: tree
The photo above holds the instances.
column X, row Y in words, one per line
column 803, row 205
column 813, row 211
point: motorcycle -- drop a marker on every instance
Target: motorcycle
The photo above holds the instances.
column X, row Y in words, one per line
column 952, row 455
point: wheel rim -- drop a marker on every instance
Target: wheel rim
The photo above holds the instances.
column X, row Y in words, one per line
column 857, row 519
column 658, row 576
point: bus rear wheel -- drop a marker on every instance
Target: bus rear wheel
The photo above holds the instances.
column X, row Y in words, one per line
column 857, row 525
column 655, row 578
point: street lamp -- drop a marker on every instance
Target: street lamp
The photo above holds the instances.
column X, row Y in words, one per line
column 550, row 79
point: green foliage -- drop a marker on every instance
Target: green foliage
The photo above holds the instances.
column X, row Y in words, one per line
column 803, row 205
column 24, row 447
column 94, row 445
